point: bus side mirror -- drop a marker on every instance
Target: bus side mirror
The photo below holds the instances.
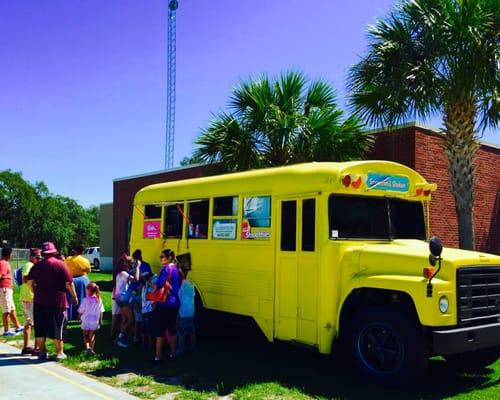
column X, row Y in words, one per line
column 435, row 247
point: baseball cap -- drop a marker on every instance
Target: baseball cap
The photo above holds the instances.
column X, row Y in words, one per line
column 49, row 248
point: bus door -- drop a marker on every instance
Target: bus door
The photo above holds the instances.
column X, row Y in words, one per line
column 297, row 270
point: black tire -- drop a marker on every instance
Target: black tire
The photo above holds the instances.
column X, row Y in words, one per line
column 473, row 361
column 387, row 346
column 96, row 263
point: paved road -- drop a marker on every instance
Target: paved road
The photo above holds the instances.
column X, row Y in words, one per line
column 25, row 377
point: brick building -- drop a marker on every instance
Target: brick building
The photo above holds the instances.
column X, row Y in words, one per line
column 414, row 145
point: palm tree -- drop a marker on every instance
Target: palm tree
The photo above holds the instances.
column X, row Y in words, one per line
column 281, row 122
column 436, row 57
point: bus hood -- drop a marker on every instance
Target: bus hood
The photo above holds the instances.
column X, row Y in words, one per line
column 409, row 257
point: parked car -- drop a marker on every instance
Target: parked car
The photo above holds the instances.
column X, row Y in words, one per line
column 93, row 254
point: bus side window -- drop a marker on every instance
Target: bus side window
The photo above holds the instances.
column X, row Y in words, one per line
column 174, row 220
column 152, row 211
column 225, row 218
column 198, row 219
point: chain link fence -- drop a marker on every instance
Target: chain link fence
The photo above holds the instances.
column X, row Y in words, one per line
column 19, row 257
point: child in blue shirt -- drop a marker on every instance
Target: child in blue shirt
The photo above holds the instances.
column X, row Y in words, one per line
column 147, row 312
column 185, row 318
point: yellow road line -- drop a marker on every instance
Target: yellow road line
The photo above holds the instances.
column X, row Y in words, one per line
column 78, row 385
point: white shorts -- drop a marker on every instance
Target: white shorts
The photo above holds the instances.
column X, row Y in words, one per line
column 115, row 308
column 28, row 312
column 7, row 300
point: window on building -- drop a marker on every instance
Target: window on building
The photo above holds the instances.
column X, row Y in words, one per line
column 152, row 211
column 174, row 220
column 198, row 219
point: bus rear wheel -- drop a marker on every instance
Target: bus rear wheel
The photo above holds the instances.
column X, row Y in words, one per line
column 473, row 361
column 387, row 346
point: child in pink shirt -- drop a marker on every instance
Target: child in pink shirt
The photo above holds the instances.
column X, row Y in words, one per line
column 90, row 312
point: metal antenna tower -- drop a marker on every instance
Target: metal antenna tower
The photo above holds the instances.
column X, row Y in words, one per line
column 171, row 61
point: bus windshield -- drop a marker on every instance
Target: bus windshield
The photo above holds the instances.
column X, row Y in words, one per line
column 356, row 217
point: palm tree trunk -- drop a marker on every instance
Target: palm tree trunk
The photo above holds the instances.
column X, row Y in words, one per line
column 461, row 146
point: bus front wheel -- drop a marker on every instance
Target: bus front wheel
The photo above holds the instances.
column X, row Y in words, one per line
column 387, row 346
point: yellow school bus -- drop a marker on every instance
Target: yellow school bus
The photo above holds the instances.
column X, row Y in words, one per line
column 333, row 256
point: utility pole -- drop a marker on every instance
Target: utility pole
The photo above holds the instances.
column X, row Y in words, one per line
column 171, row 64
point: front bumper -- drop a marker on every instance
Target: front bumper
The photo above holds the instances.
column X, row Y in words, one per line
column 460, row 340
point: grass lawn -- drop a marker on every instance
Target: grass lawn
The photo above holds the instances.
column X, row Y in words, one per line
column 236, row 360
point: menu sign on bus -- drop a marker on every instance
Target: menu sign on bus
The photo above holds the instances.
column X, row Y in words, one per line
column 152, row 229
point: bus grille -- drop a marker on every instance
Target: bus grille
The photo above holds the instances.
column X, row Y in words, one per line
column 478, row 295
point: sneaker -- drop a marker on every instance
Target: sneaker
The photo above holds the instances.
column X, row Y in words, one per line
column 19, row 330
column 27, row 351
column 9, row 334
column 122, row 343
column 61, row 356
column 42, row 356
column 90, row 352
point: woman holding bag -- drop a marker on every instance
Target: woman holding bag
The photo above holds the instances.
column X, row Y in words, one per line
column 165, row 313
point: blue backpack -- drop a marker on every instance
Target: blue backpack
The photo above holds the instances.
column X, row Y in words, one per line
column 18, row 276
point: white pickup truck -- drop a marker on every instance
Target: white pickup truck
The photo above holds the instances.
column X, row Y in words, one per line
column 93, row 254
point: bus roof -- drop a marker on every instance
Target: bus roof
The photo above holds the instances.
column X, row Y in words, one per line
column 364, row 178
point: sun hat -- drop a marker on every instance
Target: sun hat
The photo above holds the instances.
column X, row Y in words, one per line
column 49, row 248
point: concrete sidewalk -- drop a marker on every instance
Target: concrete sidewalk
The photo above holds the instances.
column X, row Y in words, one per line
column 24, row 377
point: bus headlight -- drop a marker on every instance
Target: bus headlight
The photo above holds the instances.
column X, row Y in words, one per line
column 443, row 304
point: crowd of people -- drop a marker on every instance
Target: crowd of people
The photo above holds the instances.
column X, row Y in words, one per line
column 146, row 308
column 152, row 308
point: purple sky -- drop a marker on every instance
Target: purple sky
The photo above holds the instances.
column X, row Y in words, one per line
column 82, row 82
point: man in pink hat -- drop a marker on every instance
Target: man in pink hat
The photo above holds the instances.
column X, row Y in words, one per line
column 51, row 278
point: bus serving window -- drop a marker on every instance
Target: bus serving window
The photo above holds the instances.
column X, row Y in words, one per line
column 174, row 220
column 198, row 219
column 375, row 218
column 152, row 212
column 257, row 210
column 226, row 206
column 225, row 223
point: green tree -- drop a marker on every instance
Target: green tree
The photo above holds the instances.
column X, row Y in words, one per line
column 30, row 215
column 436, row 57
column 278, row 122
column 19, row 209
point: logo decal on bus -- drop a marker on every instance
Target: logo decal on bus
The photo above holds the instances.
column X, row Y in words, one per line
column 394, row 183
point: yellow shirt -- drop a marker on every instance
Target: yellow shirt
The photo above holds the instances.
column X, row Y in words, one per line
column 25, row 291
column 77, row 265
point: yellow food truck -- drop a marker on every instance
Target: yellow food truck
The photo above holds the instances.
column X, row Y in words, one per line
column 333, row 256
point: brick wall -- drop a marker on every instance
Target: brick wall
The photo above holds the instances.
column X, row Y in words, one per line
column 422, row 149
